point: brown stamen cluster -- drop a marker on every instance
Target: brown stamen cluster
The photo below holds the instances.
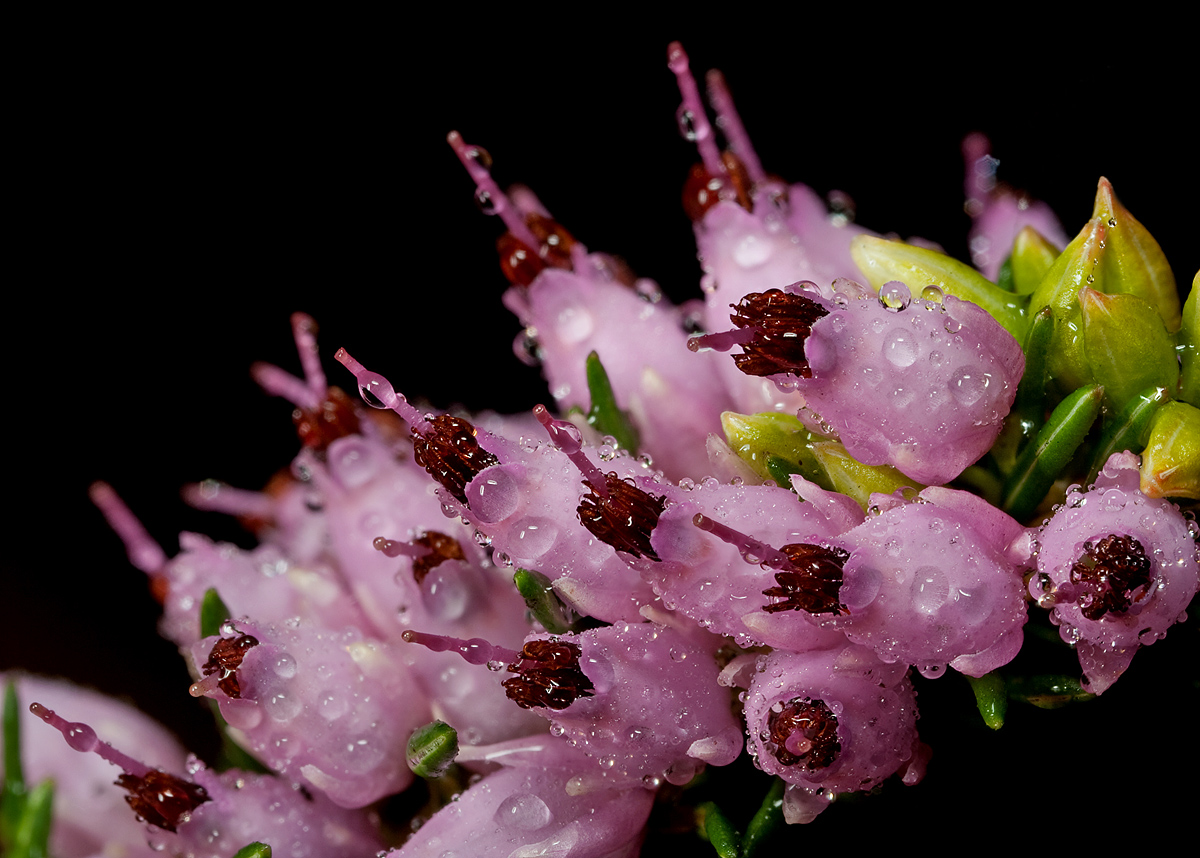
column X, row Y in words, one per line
column 449, row 452
column 548, row 675
column 162, row 799
column 1112, row 570
column 521, row 263
column 703, row 189
column 812, row 583
column 815, row 722
column 226, row 657
column 333, row 418
column 625, row 519
column 782, row 322
column 441, row 548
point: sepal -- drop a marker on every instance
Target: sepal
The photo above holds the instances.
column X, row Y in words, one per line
column 1189, row 346
column 774, row 445
column 1127, row 347
column 1032, row 256
column 856, row 480
column 1171, row 460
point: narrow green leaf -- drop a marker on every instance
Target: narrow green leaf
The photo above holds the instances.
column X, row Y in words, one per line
column 213, row 612
column 1129, row 429
column 1004, row 277
column 1029, row 407
column 432, row 749
column 32, row 836
column 1043, row 460
column 543, row 602
column 12, row 797
column 716, row 828
column 1047, row 692
column 605, row 415
column 254, row 850
column 766, row 821
column 882, row 260
column 991, row 696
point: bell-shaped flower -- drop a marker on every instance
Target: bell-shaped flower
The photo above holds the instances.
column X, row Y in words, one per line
column 1116, row 568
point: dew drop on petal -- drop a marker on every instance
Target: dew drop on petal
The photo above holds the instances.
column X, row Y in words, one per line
column 930, row 589
column 900, row 348
column 523, row 811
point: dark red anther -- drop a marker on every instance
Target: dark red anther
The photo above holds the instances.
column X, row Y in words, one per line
column 333, row 418
column 782, row 322
column 226, row 657
column 812, row 583
column 548, row 676
column 804, row 731
column 441, row 548
column 1115, row 573
column 448, row 450
column 522, row 263
column 162, row 799
column 624, row 518
column 703, row 189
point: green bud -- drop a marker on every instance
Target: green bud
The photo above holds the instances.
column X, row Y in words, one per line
column 432, row 749
column 774, row 445
column 254, row 850
column 605, row 416
column 1134, row 263
column 1171, row 460
column 1032, row 256
column 1189, row 346
column 917, row 267
column 991, row 696
column 543, row 603
column 1126, row 345
column 1076, row 267
column 856, row 480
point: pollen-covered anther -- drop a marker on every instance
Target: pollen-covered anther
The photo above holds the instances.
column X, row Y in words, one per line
column 333, row 418
column 441, row 548
column 781, row 322
column 162, row 799
column 804, row 731
column 1114, row 573
column 624, row 517
column 548, row 676
column 812, row 581
column 448, row 450
column 225, row 658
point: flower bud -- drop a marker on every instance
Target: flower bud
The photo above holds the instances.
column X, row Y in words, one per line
column 1127, row 347
column 1171, row 460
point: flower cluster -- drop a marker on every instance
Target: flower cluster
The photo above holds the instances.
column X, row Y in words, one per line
column 758, row 522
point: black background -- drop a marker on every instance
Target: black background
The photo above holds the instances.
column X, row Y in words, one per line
column 182, row 192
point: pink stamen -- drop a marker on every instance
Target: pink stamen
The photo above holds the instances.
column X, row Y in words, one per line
column 143, row 551
column 753, row 551
column 723, row 341
column 206, row 686
column 473, row 651
column 83, row 738
column 215, row 496
column 278, row 382
column 731, row 126
column 566, row 437
column 304, row 329
column 485, row 184
column 378, row 392
column 394, row 548
column 691, row 112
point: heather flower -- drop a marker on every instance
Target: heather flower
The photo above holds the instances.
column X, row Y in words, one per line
column 1117, row 569
column 830, row 721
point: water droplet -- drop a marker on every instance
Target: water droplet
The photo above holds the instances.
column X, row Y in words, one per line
column 932, row 293
column 900, row 348
column 523, row 811
column 486, row 202
column 968, row 384
column 895, row 296
column 495, row 497
column 687, row 123
column 930, row 589
column 285, row 666
column 81, row 737
column 282, row 704
column 952, row 325
column 535, row 536
column 332, row 705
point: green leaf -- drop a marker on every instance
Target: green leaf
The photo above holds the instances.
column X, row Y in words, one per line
column 1129, row 429
column 991, row 696
column 254, row 850
column 1004, row 277
column 766, row 821
column 12, row 797
column 1189, row 346
column 213, row 612
column 432, row 749
column 32, row 835
column 882, row 260
column 1031, row 258
column 1043, row 460
column 545, row 605
column 1126, row 344
column 1048, row 691
column 1029, row 407
column 605, row 416
column 716, row 828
